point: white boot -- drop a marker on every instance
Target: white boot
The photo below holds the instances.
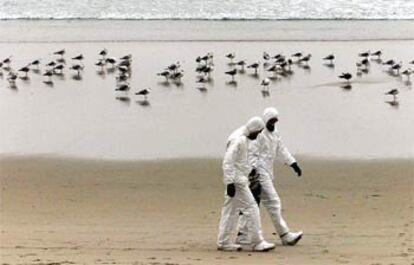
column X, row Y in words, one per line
column 229, row 247
column 263, row 246
column 291, row 238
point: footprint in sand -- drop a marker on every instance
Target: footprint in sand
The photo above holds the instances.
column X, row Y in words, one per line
column 342, row 261
column 27, row 255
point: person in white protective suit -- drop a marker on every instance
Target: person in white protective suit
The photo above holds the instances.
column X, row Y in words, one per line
column 268, row 147
column 238, row 196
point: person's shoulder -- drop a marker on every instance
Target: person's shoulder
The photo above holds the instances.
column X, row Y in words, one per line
column 276, row 132
column 240, row 139
column 239, row 131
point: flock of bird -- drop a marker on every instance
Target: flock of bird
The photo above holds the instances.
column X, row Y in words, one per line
column 276, row 66
column 55, row 67
column 363, row 66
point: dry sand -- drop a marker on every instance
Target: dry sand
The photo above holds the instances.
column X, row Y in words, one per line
column 73, row 211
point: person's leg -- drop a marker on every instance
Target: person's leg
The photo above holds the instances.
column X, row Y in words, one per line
column 243, row 236
column 271, row 201
column 228, row 220
column 251, row 213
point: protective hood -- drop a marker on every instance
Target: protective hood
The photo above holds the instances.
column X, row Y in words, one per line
column 269, row 114
column 254, row 124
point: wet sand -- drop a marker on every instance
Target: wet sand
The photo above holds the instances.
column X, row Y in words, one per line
column 82, row 117
column 74, row 211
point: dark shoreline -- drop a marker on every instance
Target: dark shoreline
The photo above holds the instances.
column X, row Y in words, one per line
column 59, row 158
column 116, row 30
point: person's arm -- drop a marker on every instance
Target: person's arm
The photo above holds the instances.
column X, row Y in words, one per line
column 229, row 169
column 283, row 153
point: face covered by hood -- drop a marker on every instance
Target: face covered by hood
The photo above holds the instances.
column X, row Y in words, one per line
column 270, row 114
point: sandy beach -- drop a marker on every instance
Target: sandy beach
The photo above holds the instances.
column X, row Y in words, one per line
column 88, row 179
column 72, row 211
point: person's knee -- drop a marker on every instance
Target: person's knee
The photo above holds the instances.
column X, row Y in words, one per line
column 272, row 203
column 251, row 208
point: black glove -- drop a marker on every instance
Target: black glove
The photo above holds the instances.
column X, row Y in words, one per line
column 252, row 173
column 231, row 190
column 256, row 190
column 297, row 169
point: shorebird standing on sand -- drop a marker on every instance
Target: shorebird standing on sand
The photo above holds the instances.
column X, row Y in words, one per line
column 25, row 70
column 390, row 62
column 49, row 74
column 111, row 61
column 201, row 79
column 265, row 83
column 232, row 73
column 174, row 67
column 127, row 57
column 297, row 55
column 329, row 58
column 35, row 63
column 207, row 70
column 103, row 53
column 305, row 59
column 241, row 63
column 51, row 64
column 266, row 56
column 165, row 74
column 7, row 62
column 363, row 66
column 407, row 73
column 77, row 68
column 144, row 92
column 177, row 76
column 60, row 52
column 123, row 87
column 126, row 63
column 78, row 58
column 101, row 63
column 12, row 78
column 396, row 67
column 393, row 92
column 58, row 69
column 254, row 66
column 231, row 56
column 364, row 54
column 346, row 76
column 377, row 54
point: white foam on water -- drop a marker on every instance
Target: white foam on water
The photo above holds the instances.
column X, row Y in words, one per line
column 207, row 9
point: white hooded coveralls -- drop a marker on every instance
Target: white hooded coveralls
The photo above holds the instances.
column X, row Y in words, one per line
column 236, row 169
column 268, row 147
